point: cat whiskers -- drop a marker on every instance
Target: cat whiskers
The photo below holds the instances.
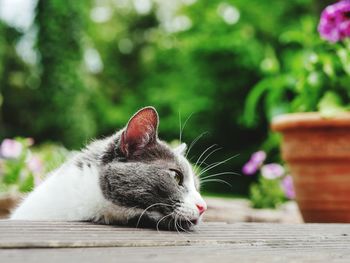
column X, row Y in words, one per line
column 143, row 212
column 189, row 221
column 179, row 225
column 194, row 142
column 179, row 217
column 203, row 153
column 183, row 127
column 213, row 165
column 209, row 154
column 175, row 224
column 216, row 180
column 157, row 226
column 211, row 177
column 217, row 174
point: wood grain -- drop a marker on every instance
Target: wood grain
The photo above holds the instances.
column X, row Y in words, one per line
column 33, row 241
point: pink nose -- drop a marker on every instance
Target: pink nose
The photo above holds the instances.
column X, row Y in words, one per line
column 201, row 208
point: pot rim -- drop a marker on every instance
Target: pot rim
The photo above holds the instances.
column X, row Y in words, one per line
column 309, row 120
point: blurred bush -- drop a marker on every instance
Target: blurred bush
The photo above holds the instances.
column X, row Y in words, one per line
column 22, row 166
column 97, row 62
column 310, row 74
column 62, row 109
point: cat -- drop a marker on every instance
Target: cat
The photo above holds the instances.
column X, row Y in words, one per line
column 130, row 178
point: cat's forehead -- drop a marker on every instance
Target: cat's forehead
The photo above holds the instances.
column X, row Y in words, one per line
column 160, row 153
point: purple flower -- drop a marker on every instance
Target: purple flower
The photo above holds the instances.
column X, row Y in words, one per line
column 272, row 171
column 334, row 23
column 10, row 148
column 253, row 165
column 250, row 168
column 258, row 157
column 288, row 188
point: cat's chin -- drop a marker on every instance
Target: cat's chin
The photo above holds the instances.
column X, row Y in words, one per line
column 161, row 223
column 194, row 221
column 182, row 225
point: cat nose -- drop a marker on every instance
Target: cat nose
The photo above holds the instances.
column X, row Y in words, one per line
column 201, row 208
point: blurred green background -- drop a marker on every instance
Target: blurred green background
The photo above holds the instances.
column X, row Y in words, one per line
column 71, row 71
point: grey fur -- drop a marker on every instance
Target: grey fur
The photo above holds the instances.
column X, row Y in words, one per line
column 139, row 180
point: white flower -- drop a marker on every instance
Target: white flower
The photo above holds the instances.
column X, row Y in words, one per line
column 272, row 171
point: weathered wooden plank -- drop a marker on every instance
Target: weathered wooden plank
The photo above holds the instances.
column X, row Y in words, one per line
column 203, row 254
column 23, row 234
column 240, row 242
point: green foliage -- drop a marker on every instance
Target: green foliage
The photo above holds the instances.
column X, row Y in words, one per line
column 266, row 193
column 14, row 82
column 313, row 75
column 14, row 171
column 63, row 112
column 205, row 69
column 273, row 185
column 27, row 166
column 51, row 155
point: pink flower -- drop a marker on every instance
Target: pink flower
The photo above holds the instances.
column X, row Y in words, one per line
column 334, row 23
column 287, row 185
column 10, row 148
column 253, row 165
column 272, row 171
column 35, row 165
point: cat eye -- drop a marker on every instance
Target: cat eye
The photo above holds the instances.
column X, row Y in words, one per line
column 177, row 176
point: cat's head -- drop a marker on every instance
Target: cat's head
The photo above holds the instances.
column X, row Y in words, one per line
column 156, row 182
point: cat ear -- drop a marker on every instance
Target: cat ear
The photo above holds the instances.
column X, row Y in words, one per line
column 181, row 149
column 140, row 131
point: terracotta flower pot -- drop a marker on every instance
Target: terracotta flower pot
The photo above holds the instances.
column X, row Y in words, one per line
column 317, row 151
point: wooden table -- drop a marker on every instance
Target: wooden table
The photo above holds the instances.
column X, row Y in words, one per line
column 28, row 241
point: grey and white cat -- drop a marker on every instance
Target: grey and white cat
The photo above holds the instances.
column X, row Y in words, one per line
column 130, row 178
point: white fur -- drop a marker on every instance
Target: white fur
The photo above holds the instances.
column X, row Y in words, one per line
column 181, row 149
column 188, row 209
column 72, row 194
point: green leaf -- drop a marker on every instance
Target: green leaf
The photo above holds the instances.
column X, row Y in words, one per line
column 266, row 193
column 27, row 185
column 12, row 171
column 250, row 114
column 275, row 87
column 345, row 59
column 330, row 105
